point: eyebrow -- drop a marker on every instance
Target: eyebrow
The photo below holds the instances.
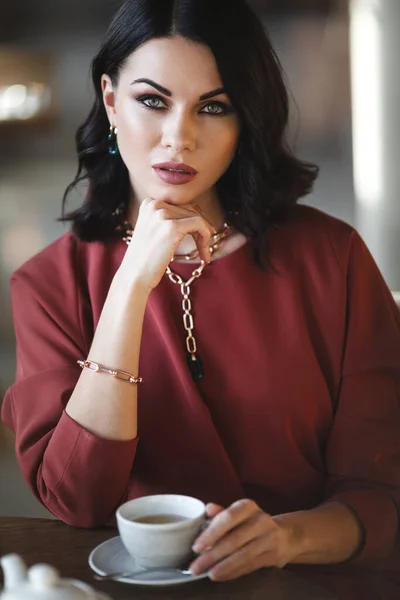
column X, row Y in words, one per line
column 166, row 92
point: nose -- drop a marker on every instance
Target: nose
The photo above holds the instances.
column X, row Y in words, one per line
column 179, row 133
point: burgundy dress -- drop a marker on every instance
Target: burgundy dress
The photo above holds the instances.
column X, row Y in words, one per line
column 299, row 403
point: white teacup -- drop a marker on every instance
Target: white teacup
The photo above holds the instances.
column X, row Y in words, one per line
column 159, row 531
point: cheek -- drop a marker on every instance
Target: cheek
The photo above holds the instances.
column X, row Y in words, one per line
column 223, row 146
column 136, row 129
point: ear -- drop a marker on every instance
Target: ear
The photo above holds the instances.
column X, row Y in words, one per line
column 109, row 98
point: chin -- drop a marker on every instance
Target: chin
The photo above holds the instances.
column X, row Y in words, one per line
column 174, row 196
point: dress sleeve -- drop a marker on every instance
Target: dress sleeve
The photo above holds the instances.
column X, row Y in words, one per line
column 78, row 476
column 363, row 450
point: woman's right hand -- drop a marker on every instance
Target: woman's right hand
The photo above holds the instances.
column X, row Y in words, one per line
column 158, row 232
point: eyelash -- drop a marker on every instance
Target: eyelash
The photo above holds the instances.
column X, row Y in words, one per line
column 226, row 109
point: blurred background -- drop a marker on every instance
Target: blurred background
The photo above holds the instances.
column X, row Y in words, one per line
column 342, row 67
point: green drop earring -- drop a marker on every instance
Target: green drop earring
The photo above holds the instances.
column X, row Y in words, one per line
column 112, row 141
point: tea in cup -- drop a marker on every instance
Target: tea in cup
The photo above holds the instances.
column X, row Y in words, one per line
column 159, row 531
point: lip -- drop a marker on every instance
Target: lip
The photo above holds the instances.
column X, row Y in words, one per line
column 175, row 177
column 176, row 166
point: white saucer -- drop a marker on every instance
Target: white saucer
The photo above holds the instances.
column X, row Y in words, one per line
column 112, row 557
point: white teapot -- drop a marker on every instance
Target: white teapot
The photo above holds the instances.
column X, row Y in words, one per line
column 41, row 582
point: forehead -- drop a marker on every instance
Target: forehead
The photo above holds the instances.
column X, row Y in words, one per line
column 176, row 63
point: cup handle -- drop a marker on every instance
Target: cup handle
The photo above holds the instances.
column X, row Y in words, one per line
column 205, row 525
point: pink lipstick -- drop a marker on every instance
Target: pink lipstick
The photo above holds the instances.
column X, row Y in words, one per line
column 175, row 173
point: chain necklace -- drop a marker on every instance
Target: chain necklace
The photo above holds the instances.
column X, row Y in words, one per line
column 194, row 362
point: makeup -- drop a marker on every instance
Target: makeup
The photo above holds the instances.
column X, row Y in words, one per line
column 175, row 173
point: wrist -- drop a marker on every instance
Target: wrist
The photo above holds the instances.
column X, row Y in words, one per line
column 328, row 533
column 128, row 284
column 296, row 539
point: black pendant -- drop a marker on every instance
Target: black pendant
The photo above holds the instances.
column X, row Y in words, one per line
column 195, row 367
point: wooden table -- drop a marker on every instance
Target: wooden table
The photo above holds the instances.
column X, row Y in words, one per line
column 68, row 548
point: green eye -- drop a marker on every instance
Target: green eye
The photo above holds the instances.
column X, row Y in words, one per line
column 215, row 109
column 152, row 102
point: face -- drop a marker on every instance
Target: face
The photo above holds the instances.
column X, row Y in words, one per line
column 179, row 114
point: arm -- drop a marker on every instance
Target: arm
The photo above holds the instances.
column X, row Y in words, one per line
column 104, row 405
column 362, row 455
column 243, row 538
column 330, row 533
column 359, row 520
column 79, row 475
column 76, row 431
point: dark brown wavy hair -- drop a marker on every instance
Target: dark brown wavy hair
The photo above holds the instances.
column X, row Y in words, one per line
column 264, row 181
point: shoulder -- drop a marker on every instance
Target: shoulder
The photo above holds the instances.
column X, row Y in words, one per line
column 59, row 261
column 312, row 222
column 64, row 265
column 313, row 234
column 66, row 271
column 61, row 249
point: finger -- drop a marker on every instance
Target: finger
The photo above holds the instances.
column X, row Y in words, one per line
column 246, row 560
column 203, row 248
column 211, row 227
column 257, row 529
column 225, row 521
column 213, row 510
column 226, row 572
column 243, row 560
column 200, row 211
column 147, row 201
column 201, row 234
column 156, row 204
column 171, row 209
column 182, row 212
column 199, row 228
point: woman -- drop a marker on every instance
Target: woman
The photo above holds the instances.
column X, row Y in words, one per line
column 270, row 355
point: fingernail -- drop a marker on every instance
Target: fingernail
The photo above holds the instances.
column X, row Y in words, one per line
column 197, row 547
column 194, row 571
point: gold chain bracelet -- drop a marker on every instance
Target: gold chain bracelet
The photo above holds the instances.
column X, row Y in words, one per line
column 90, row 365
